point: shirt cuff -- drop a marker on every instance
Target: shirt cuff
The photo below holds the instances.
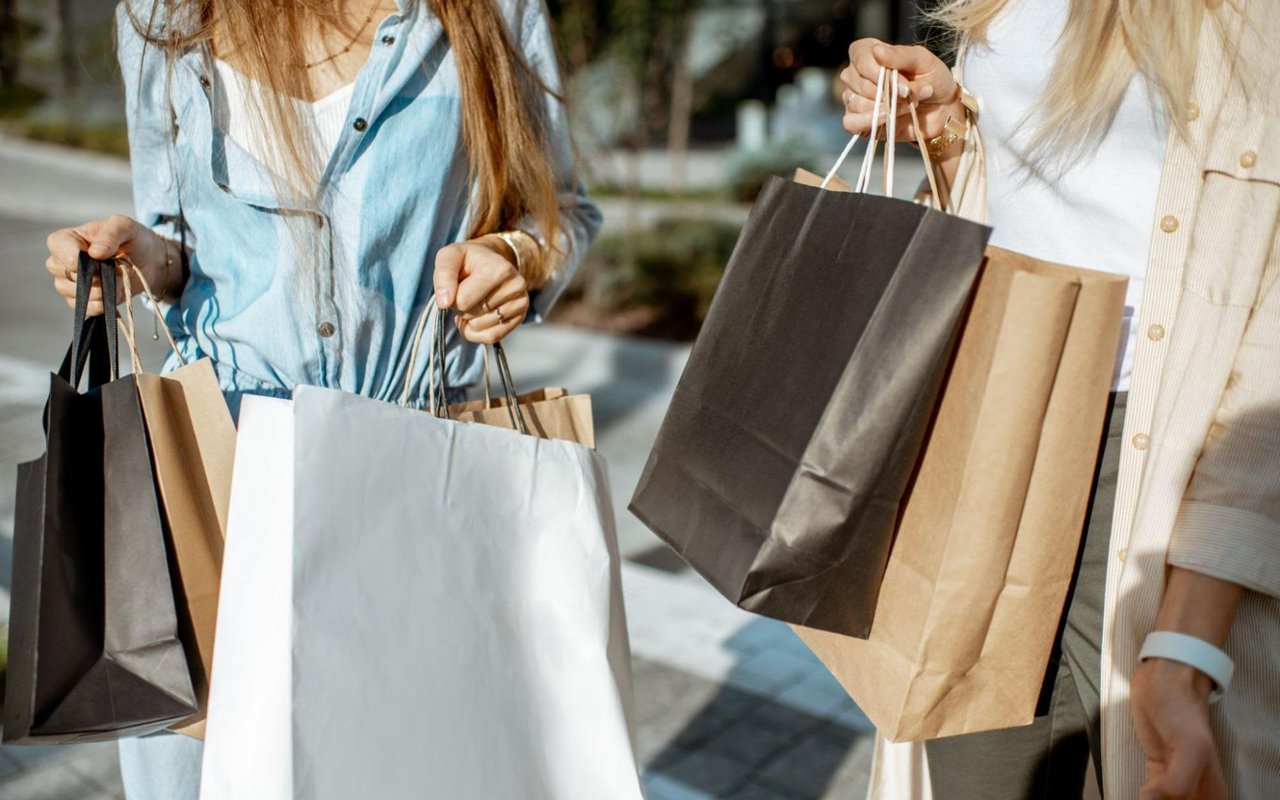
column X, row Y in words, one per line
column 1231, row 544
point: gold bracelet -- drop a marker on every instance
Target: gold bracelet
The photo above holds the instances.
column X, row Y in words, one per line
column 527, row 250
column 954, row 130
column 510, row 240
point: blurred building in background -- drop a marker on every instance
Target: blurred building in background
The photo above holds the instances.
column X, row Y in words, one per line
column 756, row 77
column 668, row 75
column 58, row 74
column 682, row 109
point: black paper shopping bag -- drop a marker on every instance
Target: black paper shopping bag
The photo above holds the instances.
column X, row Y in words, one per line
column 781, row 464
column 94, row 649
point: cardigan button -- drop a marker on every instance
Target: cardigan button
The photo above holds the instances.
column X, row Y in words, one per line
column 1248, row 158
column 1169, row 223
column 1141, row 441
column 326, row 329
column 360, row 124
column 1123, row 554
column 1155, row 333
column 1193, row 111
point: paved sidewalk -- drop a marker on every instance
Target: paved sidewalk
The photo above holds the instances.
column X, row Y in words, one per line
column 730, row 706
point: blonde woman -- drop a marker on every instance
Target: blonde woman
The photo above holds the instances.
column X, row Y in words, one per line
column 1141, row 137
column 308, row 173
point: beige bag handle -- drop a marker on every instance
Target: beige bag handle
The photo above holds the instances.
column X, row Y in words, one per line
column 129, row 328
column 429, row 312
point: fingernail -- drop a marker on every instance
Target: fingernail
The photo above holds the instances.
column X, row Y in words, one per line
column 442, row 299
column 98, row 250
column 926, row 92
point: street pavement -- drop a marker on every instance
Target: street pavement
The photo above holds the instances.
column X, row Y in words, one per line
column 730, row 706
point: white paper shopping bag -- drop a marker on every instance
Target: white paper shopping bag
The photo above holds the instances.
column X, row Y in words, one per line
column 247, row 748
column 455, row 624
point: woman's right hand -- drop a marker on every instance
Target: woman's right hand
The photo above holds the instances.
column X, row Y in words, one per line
column 924, row 78
column 103, row 239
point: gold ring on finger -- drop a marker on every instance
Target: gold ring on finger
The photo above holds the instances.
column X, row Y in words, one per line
column 501, row 319
column 485, row 305
column 66, row 273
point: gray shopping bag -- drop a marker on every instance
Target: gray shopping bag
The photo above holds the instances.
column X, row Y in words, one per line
column 781, row 464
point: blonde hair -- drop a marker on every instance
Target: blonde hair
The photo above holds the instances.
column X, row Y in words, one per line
column 1104, row 44
column 503, row 101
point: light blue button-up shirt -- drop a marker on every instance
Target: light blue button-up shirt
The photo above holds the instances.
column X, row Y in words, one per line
column 394, row 191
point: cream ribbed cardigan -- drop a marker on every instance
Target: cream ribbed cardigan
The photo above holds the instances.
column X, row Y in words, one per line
column 1199, row 483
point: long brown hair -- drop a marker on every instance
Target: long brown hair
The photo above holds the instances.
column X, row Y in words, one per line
column 503, row 101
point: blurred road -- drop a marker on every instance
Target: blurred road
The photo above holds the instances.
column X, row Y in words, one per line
column 730, row 706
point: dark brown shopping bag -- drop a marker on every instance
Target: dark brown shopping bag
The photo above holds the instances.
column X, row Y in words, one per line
column 193, row 440
column 978, row 576
column 779, row 468
column 94, row 648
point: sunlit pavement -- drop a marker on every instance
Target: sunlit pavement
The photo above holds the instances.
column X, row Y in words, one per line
column 729, row 706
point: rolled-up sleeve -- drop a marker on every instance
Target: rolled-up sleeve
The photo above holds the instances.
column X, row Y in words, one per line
column 580, row 218
column 149, row 118
column 1229, row 523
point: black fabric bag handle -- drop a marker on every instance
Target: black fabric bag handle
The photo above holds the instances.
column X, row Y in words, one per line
column 94, row 352
column 509, row 389
column 94, row 339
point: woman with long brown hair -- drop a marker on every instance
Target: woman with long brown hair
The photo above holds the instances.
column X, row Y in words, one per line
column 308, row 174
column 1138, row 137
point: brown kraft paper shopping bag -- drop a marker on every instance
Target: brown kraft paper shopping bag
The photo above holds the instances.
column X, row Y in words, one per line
column 550, row 413
column 193, row 442
column 987, row 541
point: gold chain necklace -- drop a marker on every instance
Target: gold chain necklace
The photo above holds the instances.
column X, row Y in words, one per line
column 350, row 43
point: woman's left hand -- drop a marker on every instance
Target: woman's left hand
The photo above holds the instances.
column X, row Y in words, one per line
column 1170, row 704
column 480, row 279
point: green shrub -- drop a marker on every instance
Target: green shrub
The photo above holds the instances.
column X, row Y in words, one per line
column 672, row 268
column 748, row 170
column 113, row 140
column 17, row 100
